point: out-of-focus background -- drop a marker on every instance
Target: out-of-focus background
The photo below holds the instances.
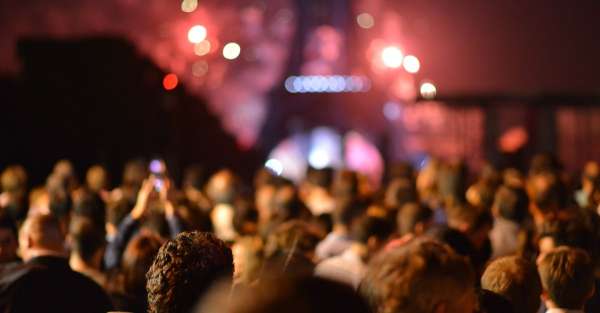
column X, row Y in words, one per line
column 297, row 83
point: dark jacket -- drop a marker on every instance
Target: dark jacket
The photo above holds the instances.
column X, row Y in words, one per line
column 47, row 284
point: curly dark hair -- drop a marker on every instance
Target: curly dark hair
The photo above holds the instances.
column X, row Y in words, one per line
column 184, row 269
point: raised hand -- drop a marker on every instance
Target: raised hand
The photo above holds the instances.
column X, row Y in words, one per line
column 164, row 198
column 142, row 198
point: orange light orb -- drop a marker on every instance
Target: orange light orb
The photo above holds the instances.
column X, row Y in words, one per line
column 170, row 81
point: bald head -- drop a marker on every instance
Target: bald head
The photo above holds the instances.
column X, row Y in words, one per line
column 40, row 234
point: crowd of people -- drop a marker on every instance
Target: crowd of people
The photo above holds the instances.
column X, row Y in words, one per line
column 439, row 239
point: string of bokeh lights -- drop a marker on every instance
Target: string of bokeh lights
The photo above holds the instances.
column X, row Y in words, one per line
column 327, row 84
column 391, row 56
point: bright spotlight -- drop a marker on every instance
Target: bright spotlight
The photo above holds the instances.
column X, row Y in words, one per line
column 411, row 64
column 392, row 57
column 189, row 6
column 197, row 33
column 365, row 20
column 319, row 159
column 428, row 90
column 275, row 166
column 231, row 51
column 202, row 48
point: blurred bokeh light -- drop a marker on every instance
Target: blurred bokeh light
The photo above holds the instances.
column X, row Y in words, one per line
column 411, row 64
column 197, row 33
column 392, row 57
column 202, row 48
column 365, row 20
column 189, row 6
column 200, row 68
column 170, row 81
column 428, row 90
column 231, row 51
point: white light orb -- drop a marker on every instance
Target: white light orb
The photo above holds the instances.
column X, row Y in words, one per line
column 392, row 57
column 411, row 64
column 231, row 51
column 428, row 90
column 197, row 33
column 275, row 166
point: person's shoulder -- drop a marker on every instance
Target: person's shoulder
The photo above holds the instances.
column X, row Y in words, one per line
column 328, row 263
column 8, row 269
column 86, row 282
column 14, row 272
column 16, row 280
column 88, row 290
column 127, row 303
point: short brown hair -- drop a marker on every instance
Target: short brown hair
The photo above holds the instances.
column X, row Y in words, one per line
column 517, row 280
column 567, row 276
column 511, row 203
column 416, row 277
column 85, row 237
column 13, row 179
column 467, row 218
column 410, row 215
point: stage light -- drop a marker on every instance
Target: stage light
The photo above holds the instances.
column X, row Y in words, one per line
column 319, row 159
column 365, row 20
column 298, row 85
column 327, row 84
column 170, row 81
column 200, row 68
column 359, row 84
column 231, row 51
column 334, row 83
column 306, row 83
column 392, row 57
column 275, row 166
column 411, row 64
column 392, row 110
column 322, row 84
column 197, row 33
column 289, row 84
column 189, row 6
column 428, row 90
column 202, row 48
